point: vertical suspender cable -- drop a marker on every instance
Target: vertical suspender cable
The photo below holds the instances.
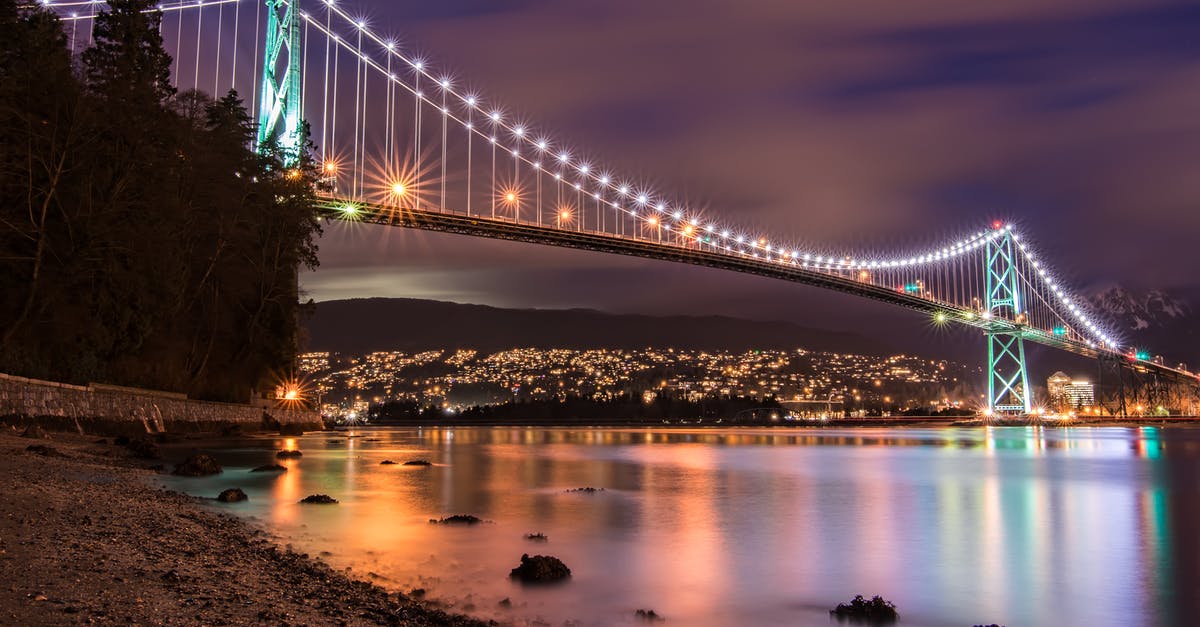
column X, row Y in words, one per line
column 325, row 153
column 217, row 70
column 199, row 25
column 357, row 79
column 237, row 17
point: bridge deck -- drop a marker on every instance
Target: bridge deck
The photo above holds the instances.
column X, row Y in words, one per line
column 495, row 228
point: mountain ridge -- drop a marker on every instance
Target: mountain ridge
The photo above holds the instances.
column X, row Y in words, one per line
column 364, row 325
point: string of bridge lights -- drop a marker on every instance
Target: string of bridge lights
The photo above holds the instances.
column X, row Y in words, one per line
column 601, row 186
column 658, row 212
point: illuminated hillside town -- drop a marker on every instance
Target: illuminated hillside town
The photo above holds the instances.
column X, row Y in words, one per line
column 809, row 383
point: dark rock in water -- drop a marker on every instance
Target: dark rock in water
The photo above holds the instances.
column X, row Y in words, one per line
column 588, row 490
column 232, row 495
column 319, row 499
column 877, row 610
column 506, row 602
column 43, row 450
column 289, row 454
column 143, row 448
column 648, row 615
column 291, row 429
column 992, row 625
column 537, row 537
column 35, row 432
column 387, row 462
column 372, row 440
column 198, row 465
column 270, row 468
column 418, row 462
column 458, row 519
column 540, row 569
column 335, row 441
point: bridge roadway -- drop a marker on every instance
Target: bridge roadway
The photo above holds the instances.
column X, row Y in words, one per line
column 508, row 229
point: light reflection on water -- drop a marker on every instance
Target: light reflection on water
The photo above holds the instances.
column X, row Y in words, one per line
column 1008, row 525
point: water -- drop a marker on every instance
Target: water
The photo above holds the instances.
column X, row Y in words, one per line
column 1008, row 525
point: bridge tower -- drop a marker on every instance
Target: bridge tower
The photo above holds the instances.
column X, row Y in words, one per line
column 279, row 101
column 1008, row 381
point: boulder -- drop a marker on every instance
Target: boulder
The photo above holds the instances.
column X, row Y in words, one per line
column 877, row 610
column 43, row 450
column 232, row 495
column 418, row 462
column 387, row 462
column 143, row 448
column 537, row 537
column 540, row 569
column 319, row 499
column 289, row 454
column 35, row 432
column 198, row 465
column 269, row 468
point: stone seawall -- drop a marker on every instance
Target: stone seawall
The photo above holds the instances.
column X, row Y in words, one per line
column 112, row 410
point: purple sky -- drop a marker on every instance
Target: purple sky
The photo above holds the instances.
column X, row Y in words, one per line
column 864, row 125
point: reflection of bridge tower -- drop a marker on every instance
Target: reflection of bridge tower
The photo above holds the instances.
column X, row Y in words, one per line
column 279, row 102
column 1008, row 383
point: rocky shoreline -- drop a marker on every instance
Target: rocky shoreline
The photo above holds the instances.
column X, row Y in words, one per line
column 85, row 539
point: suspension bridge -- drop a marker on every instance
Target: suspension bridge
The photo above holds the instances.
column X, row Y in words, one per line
column 399, row 143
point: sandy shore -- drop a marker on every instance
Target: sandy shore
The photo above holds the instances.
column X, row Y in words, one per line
column 85, row 539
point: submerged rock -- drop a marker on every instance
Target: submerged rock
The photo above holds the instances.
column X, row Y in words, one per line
column 387, row 462
column 540, row 569
column 286, row 454
column 648, row 615
column 877, row 610
column 457, row 519
column 232, row 495
column 269, row 468
column 319, row 499
column 588, row 490
column 198, row 465
column 418, row 462
column 537, row 537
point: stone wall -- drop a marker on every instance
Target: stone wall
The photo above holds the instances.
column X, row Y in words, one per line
column 110, row 409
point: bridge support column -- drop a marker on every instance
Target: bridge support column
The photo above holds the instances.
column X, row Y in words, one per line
column 279, row 106
column 1008, row 380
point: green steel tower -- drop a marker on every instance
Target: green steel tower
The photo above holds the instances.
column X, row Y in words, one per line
column 1008, row 382
column 279, row 102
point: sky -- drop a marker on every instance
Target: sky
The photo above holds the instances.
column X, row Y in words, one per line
column 858, row 124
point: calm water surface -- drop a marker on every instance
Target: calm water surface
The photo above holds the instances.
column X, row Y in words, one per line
column 1009, row 525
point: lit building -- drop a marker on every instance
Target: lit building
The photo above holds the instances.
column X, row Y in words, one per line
column 1067, row 394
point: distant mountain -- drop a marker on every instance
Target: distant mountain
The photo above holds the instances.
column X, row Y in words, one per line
column 1159, row 320
column 372, row 324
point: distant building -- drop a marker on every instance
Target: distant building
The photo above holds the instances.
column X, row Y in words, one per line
column 1067, row 394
